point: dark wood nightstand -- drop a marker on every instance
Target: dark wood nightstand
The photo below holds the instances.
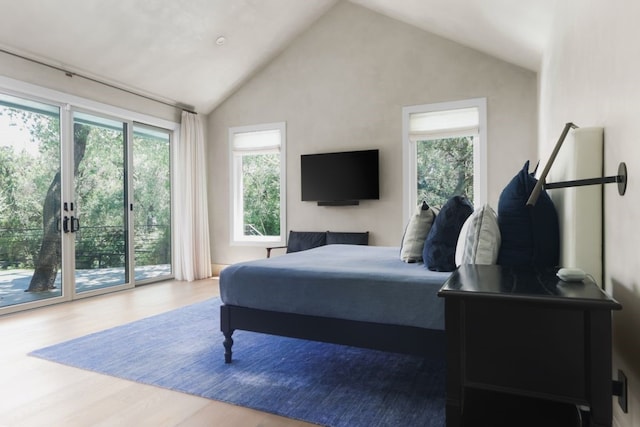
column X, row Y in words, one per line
column 526, row 333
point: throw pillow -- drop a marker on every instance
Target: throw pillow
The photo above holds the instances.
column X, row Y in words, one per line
column 479, row 240
column 530, row 235
column 440, row 246
column 416, row 232
column 303, row 240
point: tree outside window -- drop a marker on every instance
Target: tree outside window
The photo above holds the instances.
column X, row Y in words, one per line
column 445, row 169
column 261, row 195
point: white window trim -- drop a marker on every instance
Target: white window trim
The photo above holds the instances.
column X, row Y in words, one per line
column 409, row 152
column 235, row 204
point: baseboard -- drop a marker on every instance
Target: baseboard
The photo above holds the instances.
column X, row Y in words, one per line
column 619, row 420
column 217, row 268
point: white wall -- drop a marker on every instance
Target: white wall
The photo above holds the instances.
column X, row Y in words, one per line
column 341, row 85
column 590, row 77
column 29, row 72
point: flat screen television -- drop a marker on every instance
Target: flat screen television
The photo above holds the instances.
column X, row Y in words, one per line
column 342, row 178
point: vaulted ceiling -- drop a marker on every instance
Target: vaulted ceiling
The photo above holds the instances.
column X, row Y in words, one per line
column 172, row 49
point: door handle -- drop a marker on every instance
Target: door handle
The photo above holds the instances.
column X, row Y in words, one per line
column 65, row 224
column 75, row 224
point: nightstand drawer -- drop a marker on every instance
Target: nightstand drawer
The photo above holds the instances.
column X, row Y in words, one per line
column 526, row 349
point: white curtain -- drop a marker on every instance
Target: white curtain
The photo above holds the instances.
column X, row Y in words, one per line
column 193, row 254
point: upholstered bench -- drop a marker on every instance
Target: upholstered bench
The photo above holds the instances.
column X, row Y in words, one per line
column 303, row 240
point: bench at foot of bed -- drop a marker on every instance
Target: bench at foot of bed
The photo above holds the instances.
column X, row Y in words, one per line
column 378, row 336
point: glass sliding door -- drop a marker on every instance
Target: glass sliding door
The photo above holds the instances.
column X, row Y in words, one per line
column 152, row 203
column 98, row 214
column 30, row 194
column 85, row 203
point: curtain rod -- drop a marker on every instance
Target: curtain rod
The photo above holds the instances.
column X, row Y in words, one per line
column 68, row 73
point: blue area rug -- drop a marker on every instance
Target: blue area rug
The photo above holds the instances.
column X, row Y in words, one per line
column 321, row 383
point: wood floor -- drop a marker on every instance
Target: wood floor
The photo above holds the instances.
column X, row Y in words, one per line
column 35, row 392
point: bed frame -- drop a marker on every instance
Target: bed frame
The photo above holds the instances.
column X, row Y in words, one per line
column 378, row 336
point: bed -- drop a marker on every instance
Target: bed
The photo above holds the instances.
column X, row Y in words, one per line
column 363, row 296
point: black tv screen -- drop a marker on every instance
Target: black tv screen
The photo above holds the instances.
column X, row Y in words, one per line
column 347, row 176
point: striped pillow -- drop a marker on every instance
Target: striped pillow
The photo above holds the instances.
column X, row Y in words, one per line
column 416, row 233
column 479, row 239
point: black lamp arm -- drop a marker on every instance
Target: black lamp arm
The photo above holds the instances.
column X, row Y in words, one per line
column 533, row 197
column 621, row 179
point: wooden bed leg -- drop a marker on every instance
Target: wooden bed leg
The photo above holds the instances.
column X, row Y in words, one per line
column 228, row 343
column 225, row 327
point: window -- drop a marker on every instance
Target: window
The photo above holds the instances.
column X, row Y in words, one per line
column 152, row 217
column 257, row 158
column 444, row 152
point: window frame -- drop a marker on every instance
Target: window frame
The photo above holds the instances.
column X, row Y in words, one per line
column 409, row 150
column 236, row 212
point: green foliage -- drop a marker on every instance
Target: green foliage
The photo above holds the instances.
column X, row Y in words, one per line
column 99, row 182
column 27, row 168
column 151, row 181
column 445, row 169
column 261, row 194
column 22, row 192
column 7, row 185
column 152, row 194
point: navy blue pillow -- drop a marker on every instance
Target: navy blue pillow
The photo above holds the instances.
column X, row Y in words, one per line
column 439, row 253
column 530, row 235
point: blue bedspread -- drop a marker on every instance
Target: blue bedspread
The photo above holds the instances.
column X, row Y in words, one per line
column 366, row 283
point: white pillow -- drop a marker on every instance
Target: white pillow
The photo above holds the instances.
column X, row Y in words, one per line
column 416, row 233
column 479, row 239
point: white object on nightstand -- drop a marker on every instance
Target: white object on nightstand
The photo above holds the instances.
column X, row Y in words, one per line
column 571, row 274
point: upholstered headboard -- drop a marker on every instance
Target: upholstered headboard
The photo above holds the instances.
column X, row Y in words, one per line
column 580, row 209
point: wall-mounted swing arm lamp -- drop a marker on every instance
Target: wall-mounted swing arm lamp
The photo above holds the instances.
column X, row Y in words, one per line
column 620, row 178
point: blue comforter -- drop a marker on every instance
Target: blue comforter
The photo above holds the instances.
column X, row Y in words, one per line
column 366, row 283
